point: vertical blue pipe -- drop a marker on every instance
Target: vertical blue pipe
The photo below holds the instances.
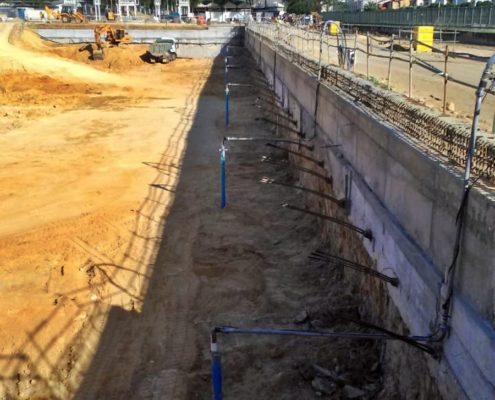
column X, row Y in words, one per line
column 227, row 105
column 226, row 72
column 223, row 200
column 216, row 375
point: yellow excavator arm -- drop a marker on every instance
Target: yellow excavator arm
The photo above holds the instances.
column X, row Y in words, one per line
column 51, row 14
column 113, row 36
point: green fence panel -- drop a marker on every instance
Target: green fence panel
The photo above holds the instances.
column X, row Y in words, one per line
column 445, row 17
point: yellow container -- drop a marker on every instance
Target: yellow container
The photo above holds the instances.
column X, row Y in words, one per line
column 423, row 34
column 334, row 28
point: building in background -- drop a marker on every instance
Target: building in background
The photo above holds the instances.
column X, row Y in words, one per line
column 226, row 13
column 124, row 8
column 184, row 8
column 268, row 7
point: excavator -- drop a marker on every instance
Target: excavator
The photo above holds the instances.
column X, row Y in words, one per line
column 112, row 36
column 68, row 14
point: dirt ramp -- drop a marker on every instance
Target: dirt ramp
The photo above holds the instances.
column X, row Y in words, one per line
column 37, row 60
column 117, row 58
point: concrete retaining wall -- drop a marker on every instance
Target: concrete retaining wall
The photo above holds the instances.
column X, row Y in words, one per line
column 409, row 199
column 195, row 43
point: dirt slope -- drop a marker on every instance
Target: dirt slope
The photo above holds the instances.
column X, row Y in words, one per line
column 79, row 215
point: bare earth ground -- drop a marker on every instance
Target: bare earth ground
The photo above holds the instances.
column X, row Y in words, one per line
column 116, row 259
column 427, row 86
column 79, row 219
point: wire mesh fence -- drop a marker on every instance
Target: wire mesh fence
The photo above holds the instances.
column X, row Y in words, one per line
column 317, row 54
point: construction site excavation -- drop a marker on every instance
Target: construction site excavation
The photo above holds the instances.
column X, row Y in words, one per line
column 197, row 212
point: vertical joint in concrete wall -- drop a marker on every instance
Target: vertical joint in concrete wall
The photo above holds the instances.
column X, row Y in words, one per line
column 274, row 70
column 347, row 191
column 315, row 116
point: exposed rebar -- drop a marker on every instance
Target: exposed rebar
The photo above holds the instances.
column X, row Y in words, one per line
column 342, row 262
column 287, row 128
column 296, row 153
column 253, row 139
column 327, row 179
column 339, row 202
column 285, row 117
column 365, row 232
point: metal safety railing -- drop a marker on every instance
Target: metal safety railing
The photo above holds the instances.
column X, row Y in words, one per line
column 448, row 138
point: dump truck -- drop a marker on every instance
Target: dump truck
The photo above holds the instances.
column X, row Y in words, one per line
column 163, row 50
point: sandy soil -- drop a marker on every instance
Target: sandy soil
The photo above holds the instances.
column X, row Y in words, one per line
column 81, row 151
column 427, row 86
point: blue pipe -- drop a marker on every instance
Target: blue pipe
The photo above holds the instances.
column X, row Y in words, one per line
column 216, row 369
column 216, row 374
column 294, row 332
column 223, row 201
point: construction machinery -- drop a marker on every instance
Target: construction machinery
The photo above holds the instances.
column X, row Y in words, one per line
column 163, row 50
column 68, row 14
column 110, row 16
column 51, row 14
column 112, row 35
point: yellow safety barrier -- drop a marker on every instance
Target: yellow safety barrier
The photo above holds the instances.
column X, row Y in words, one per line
column 423, row 34
column 334, row 28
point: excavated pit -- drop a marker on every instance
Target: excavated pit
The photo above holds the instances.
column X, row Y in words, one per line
column 116, row 284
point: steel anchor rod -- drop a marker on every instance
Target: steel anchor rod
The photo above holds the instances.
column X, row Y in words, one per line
column 252, row 139
column 317, row 162
column 327, row 179
column 365, row 232
column 285, row 117
column 287, row 128
column 339, row 202
column 339, row 261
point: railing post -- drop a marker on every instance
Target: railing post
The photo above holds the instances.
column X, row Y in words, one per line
column 323, row 29
column 410, row 67
column 367, row 55
column 445, row 79
column 390, row 62
column 355, row 50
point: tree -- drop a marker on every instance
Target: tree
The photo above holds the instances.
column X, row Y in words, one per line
column 371, row 7
column 302, row 6
column 336, row 5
